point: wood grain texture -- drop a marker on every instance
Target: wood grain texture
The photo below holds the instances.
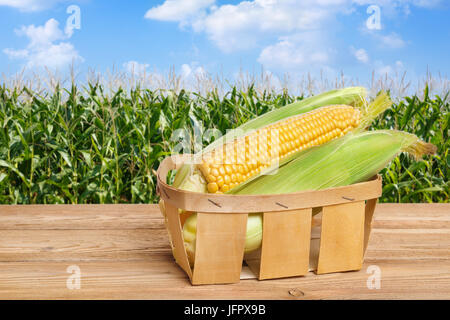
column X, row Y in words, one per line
column 176, row 238
column 285, row 244
column 123, row 253
column 86, row 217
column 369, row 210
column 342, row 238
column 219, row 248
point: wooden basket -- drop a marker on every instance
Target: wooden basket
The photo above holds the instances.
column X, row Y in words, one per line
column 287, row 246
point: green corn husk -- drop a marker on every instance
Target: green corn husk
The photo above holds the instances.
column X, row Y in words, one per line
column 369, row 112
column 351, row 159
column 191, row 178
column 186, row 178
column 354, row 96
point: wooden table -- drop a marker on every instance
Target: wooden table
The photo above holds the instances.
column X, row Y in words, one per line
column 122, row 252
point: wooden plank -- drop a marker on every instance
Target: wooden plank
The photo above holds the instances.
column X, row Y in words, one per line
column 87, row 217
column 285, row 244
column 342, row 238
column 163, row 279
column 368, row 218
column 409, row 243
column 219, row 248
column 131, row 216
column 32, row 245
column 82, row 245
column 176, row 238
column 414, row 210
column 433, row 244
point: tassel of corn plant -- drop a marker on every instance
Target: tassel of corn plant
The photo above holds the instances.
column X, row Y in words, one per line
column 350, row 159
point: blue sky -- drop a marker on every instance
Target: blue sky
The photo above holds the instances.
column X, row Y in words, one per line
column 289, row 36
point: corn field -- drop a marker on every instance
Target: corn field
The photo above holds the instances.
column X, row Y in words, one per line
column 88, row 145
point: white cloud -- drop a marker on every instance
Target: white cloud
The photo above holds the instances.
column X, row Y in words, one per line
column 29, row 5
column 388, row 70
column 426, row 3
column 47, row 47
column 177, row 10
column 134, row 67
column 242, row 26
column 393, row 8
column 400, row 3
column 392, row 40
column 289, row 33
column 361, row 55
column 293, row 53
column 42, row 35
column 16, row 54
column 191, row 71
column 54, row 56
column 186, row 70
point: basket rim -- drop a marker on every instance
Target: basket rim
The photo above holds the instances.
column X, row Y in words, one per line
column 226, row 203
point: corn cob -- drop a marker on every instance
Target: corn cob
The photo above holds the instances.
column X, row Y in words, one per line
column 354, row 96
column 188, row 179
column 351, row 159
column 227, row 166
column 230, row 165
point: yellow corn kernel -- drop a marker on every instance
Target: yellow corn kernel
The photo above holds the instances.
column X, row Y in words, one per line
column 261, row 149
